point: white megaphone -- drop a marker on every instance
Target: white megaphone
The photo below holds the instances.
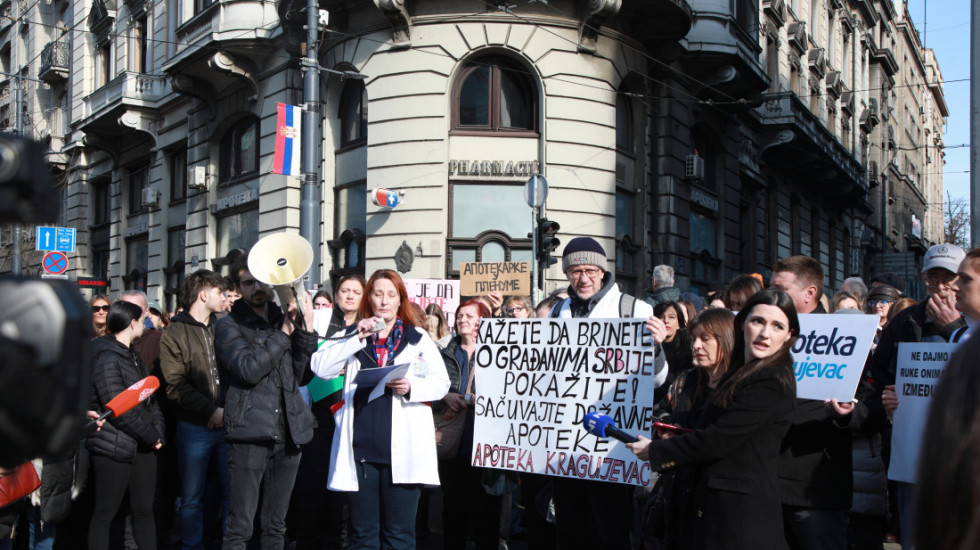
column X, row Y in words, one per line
column 280, row 261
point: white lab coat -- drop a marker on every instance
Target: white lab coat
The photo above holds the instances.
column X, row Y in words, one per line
column 413, row 442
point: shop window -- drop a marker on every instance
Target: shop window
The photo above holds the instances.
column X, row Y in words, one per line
column 350, row 215
column 137, row 264
column 239, row 151
column 353, row 113
column 238, row 230
column 494, row 94
column 487, row 233
column 630, row 198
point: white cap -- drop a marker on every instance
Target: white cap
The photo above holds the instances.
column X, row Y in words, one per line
column 946, row 256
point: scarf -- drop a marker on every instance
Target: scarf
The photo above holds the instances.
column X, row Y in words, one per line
column 384, row 350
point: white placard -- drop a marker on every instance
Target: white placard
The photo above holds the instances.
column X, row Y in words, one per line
column 442, row 292
column 917, row 372
column 829, row 355
column 536, row 379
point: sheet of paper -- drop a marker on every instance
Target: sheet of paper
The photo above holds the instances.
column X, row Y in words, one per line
column 379, row 377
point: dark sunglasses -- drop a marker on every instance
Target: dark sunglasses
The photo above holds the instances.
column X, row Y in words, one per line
column 96, row 309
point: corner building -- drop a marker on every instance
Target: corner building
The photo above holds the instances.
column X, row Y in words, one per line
column 712, row 135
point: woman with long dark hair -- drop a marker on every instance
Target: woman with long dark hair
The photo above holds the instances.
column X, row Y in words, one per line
column 677, row 345
column 384, row 447
column 123, row 450
column 733, row 454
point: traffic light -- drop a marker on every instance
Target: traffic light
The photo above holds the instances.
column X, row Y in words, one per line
column 547, row 243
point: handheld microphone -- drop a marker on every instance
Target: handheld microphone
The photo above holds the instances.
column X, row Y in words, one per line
column 601, row 425
column 126, row 400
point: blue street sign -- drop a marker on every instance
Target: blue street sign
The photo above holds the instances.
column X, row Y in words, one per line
column 61, row 239
column 66, row 239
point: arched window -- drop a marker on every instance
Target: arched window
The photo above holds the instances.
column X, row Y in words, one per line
column 493, row 94
column 353, row 113
column 239, row 152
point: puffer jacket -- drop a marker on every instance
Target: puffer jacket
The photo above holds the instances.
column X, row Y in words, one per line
column 456, row 367
column 57, row 476
column 263, row 369
column 115, row 367
column 870, row 482
column 188, row 362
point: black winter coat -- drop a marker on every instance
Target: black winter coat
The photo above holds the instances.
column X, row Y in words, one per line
column 263, row 369
column 115, row 367
column 733, row 459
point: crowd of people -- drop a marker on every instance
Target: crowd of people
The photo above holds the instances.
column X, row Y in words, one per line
column 269, row 430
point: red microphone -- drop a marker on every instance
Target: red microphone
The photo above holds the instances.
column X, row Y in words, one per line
column 127, row 400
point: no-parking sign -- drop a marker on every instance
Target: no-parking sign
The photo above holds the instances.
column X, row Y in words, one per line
column 55, row 263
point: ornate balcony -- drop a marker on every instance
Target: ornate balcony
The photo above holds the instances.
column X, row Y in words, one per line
column 131, row 100
column 795, row 133
column 55, row 62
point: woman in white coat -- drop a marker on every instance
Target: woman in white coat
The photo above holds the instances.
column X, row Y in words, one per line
column 384, row 447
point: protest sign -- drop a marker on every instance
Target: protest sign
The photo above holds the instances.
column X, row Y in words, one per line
column 917, row 372
column 536, row 379
column 830, row 353
column 507, row 278
column 442, row 292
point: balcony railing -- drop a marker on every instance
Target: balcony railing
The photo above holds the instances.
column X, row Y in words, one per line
column 55, row 61
column 128, row 88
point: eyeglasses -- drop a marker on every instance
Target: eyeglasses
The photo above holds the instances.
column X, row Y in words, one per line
column 515, row 309
column 591, row 273
column 249, row 283
column 96, row 309
column 876, row 303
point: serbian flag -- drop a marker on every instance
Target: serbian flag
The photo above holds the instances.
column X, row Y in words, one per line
column 288, row 128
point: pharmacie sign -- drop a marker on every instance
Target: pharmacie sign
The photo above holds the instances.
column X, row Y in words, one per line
column 493, row 168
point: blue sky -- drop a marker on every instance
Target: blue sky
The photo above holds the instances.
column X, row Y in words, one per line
column 944, row 26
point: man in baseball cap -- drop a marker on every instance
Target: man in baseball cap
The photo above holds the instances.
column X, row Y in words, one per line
column 934, row 319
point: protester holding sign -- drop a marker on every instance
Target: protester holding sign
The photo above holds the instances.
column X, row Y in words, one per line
column 734, row 453
column 936, row 320
column 384, row 445
column 596, row 514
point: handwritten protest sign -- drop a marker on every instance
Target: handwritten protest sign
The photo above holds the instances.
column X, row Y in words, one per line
column 917, row 372
column 536, row 379
column 507, row 278
column 830, row 353
column 442, row 292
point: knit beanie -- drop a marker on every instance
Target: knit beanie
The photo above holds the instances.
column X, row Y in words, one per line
column 583, row 251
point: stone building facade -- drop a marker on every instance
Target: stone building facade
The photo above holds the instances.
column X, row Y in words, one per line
column 712, row 135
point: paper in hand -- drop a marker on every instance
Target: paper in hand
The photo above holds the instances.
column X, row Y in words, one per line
column 379, row 377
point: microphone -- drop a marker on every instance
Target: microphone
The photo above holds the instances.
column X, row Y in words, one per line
column 126, row 400
column 601, row 425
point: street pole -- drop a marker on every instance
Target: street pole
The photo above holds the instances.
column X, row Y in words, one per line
column 534, row 254
column 309, row 206
column 974, row 126
column 15, row 262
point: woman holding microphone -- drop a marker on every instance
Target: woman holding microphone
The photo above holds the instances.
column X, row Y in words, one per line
column 733, row 454
column 123, row 450
column 384, row 447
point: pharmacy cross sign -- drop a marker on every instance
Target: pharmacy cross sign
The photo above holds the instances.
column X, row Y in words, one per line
column 55, row 263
